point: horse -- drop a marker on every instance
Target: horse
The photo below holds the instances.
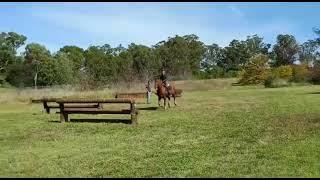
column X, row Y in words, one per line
column 165, row 93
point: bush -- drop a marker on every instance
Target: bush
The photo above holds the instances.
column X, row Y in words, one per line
column 231, row 74
column 256, row 71
column 301, row 73
column 20, row 75
column 283, row 72
column 315, row 75
column 279, row 77
column 271, row 82
column 216, row 72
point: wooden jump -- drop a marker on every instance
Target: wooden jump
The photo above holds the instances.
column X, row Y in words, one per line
column 65, row 111
column 131, row 95
column 47, row 106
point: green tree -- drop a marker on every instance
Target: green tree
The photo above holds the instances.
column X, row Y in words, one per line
column 36, row 52
column 41, row 62
column 75, row 54
column 100, row 66
column 196, row 50
column 141, row 60
column 255, row 45
column 211, row 65
column 238, row 52
column 307, row 52
column 20, row 74
column 180, row 56
column 285, row 51
column 237, row 56
column 9, row 43
column 63, row 69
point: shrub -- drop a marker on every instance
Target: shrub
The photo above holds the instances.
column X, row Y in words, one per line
column 301, row 73
column 256, row 71
column 231, row 74
column 279, row 77
column 283, row 72
column 20, row 75
column 271, row 82
column 315, row 75
column 216, row 72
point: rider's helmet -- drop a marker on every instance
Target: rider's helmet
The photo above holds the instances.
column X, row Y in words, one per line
column 163, row 71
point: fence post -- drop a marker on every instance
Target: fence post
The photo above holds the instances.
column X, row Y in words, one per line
column 133, row 113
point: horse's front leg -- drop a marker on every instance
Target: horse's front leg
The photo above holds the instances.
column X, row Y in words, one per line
column 169, row 101
column 165, row 102
column 159, row 99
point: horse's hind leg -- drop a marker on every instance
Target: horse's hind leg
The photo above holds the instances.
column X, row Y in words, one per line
column 174, row 100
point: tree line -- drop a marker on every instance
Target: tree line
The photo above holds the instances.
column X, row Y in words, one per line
column 183, row 57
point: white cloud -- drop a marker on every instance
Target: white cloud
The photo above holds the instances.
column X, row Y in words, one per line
column 236, row 11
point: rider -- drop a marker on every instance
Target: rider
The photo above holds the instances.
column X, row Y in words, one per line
column 148, row 87
column 164, row 79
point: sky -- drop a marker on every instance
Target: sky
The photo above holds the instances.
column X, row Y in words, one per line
column 83, row 24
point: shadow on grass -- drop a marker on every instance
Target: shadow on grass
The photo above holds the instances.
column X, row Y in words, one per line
column 148, row 108
column 125, row 121
column 236, row 84
column 54, row 121
column 314, row 93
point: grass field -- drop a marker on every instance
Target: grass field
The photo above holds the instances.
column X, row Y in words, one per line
column 216, row 131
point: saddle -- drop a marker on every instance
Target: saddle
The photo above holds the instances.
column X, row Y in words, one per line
column 165, row 84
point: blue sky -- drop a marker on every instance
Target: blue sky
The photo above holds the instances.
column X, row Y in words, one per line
column 60, row 23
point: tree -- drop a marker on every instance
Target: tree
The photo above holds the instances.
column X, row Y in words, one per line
column 99, row 65
column 285, row 51
column 211, row 65
column 117, row 50
column 141, row 60
column 256, row 70
column 40, row 59
column 255, row 45
column 237, row 56
column 196, row 50
column 9, row 43
column 214, row 56
column 180, row 56
column 36, row 52
column 238, row 52
column 63, row 69
column 76, row 55
column 20, row 74
column 317, row 31
column 307, row 52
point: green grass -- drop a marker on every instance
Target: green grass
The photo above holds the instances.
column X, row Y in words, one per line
column 226, row 132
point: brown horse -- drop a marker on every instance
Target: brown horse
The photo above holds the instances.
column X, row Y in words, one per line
column 165, row 93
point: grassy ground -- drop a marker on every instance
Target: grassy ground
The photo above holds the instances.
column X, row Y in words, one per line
column 222, row 132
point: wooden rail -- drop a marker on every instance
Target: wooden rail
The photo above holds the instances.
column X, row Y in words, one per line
column 47, row 106
column 65, row 111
